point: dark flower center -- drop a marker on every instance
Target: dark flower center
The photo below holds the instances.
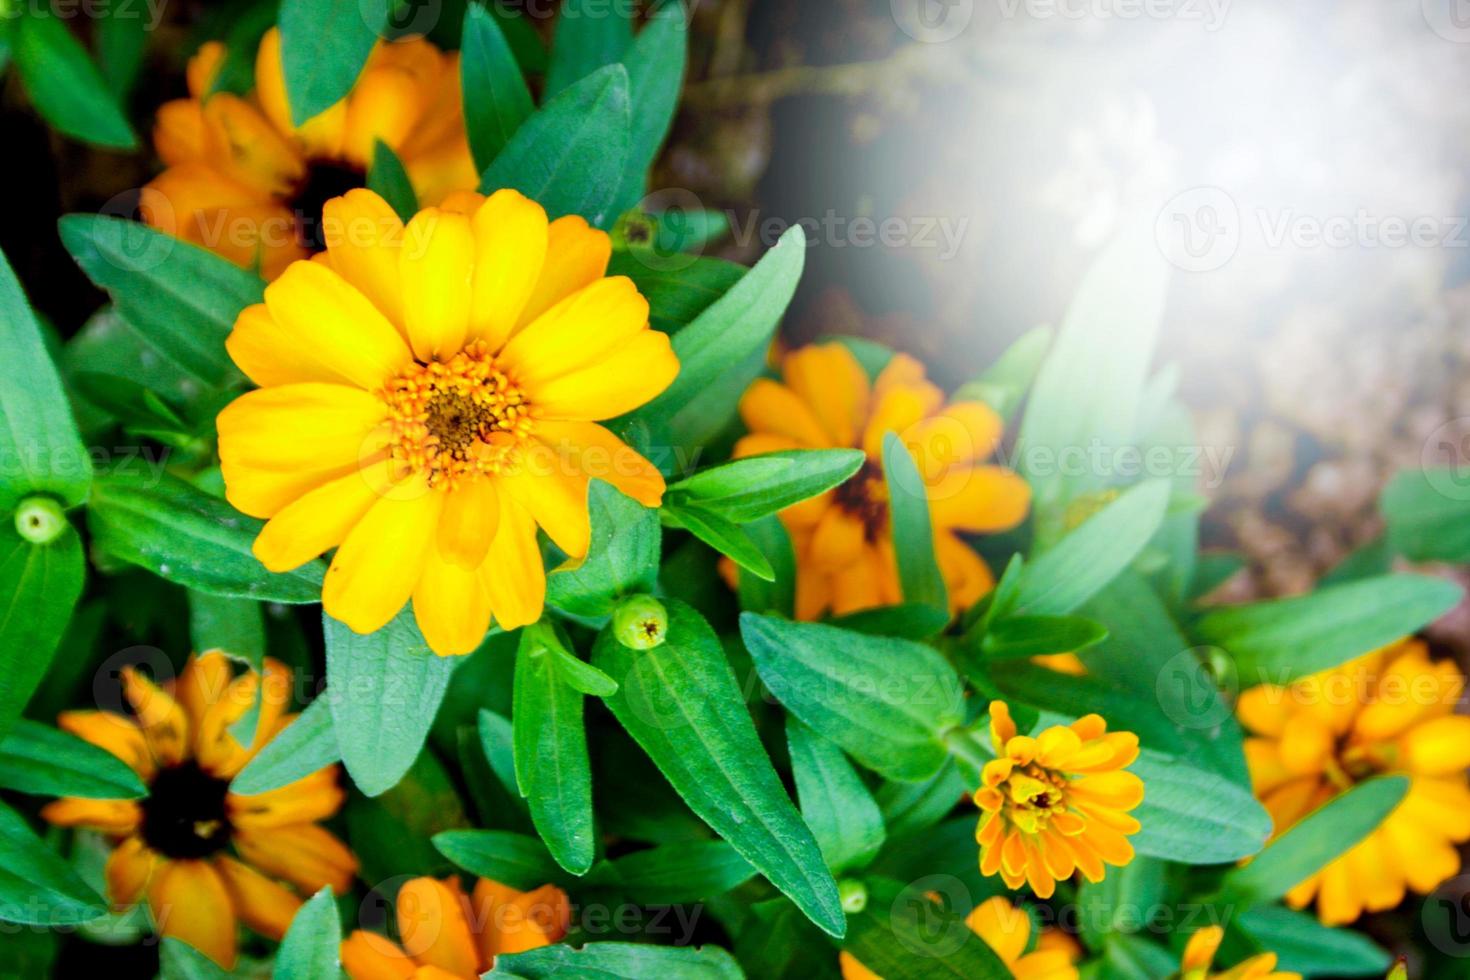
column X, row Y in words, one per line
column 324, row 180
column 184, row 815
column 865, row 497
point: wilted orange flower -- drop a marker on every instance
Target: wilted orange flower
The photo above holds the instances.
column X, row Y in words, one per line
column 448, row 934
column 429, row 395
column 1387, row 712
column 1056, row 803
column 242, row 180
column 1200, row 953
column 203, row 857
column 844, row 549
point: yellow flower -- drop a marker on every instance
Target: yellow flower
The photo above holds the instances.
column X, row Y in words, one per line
column 1200, row 953
column 1390, row 711
column 242, row 180
column 1005, row 929
column 429, row 395
column 1056, row 803
column 447, row 934
column 844, row 550
column 201, row 856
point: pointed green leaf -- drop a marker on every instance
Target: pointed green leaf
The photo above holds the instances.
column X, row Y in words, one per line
column 37, row 887
column 589, row 35
column 324, row 45
column 39, row 587
column 723, row 536
column 621, row 560
column 310, row 948
column 46, row 761
column 65, row 85
column 389, row 180
column 618, row 961
column 516, row 860
column 496, row 97
column 913, row 534
column 655, row 62
column 690, row 871
column 748, row 489
column 902, row 934
column 307, row 744
column 834, row 802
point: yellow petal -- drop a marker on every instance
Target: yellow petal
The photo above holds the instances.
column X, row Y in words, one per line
column 895, row 410
column 592, row 451
column 112, row 732
column 436, row 262
column 319, row 136
column 115, row 817
column 363, row 235
column 130, row 867
column 576, row 256
column 467, row 526
column 554, row 496
column 251, row 149
column 432, row 923
column 315, row 522
column 278, row 444
column 1199, row 953
column 325, row 330
column 451, row 604
column 369, row 956
column 966, row 576
column 979, row 498
column 204, row 67
column 303, row 854
column 161, row 717
column 514, row 574
column 261, row 904
column 384, row 105
column 828, row 379
column 518, row 921
column 1005, row 928
column 580, row 331
column 511, row 235
column 771, row 408
column 633, row 375
column 378, row 565
column 1437, row 748
column 308, row 800
column 189, row 902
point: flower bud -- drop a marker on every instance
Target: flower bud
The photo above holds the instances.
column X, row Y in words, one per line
column 640, row 622
column 39, row 520
column 853, row 895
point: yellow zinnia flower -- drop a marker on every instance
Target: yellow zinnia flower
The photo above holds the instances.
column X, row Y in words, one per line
column 1056, row 803
column 844, row 550
column 448, row 935
column 202, row 857
column 1390, row 711
column 1006, row 929
column 429, row 395
column 243, row 181
column 1200, row 953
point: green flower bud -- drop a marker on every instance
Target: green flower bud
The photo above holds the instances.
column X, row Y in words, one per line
column 640, row 622
column 852, row 894
column 39, row 520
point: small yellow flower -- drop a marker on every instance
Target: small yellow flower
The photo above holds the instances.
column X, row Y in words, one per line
column 448, row 935
column 1390, row 711
column 242, row 180
column 1200, row 953
column 431, row 394
column 844, row 550
column 1007, row 930
column 201, row 856
column 1056, row 803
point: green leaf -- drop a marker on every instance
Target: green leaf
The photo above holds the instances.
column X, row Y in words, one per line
column 1305, row 946
column 1004, row 383
column 122, row 41
column 307, row 744
column 681, row 703
column 1030, row 636
column 552, row 768
column 233, row 626
column 39, row 587
column 834, row 802
column 1428, row 515
column 389, row 180
column 383, row 690
column 40, row 450
column 180, row 961
column 618, row 961
column 497, row 742
column 182, row 298
column 908, row 621
column 678, row 288
column 723, row 536
column 65, row 85
column 886, row 702
column 324, row 45
column 690, row 871
column 748, row 489
column 1123, row 901
column 1194, row 816
column 45, row 761
column 1310, row 844
column 579, row 675
column 496, row 97
column 776, row 595
column 37, row 888
column 621, row 560
column 1283, row 639
column 1086, row 560
column 184, row 535
column 1089, row 389
column 655, row 62
column 392, row 834
column 516, row 860
column 309, row 950
column 589, row 35
column 730, row 331
column 913, row 534
column 569, row 155
column 1135, row 958
column 901, row 934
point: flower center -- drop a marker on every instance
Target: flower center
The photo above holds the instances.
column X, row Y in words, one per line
column 324, row 180
column 184, row 815
column 458, row 418
column 1033, row 795
column 865, row 497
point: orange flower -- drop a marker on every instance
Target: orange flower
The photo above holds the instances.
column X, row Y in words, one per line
column 202, row 856
column 244, row 181
column 448, row 934
column 1056, row 803
column 1390, row 711
column 1007, row 930
column 1200, row 953
column 844, row 550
